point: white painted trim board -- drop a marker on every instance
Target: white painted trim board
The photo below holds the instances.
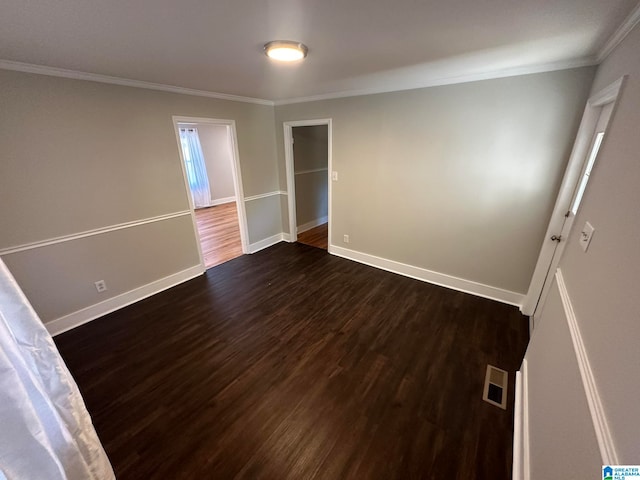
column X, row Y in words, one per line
column 312, row 224
column 127, row 82
column 521, row 454
column 516, row 473
column 222, row 201
column 621, row 32
column 313, row 170
column 90, row 233
column 429, row 276
column 598, row 416
column 267, row 242
column 85, row 315
column 264, row 195
column 452, row 80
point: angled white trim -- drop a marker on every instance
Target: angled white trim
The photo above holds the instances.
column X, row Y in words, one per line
column 266, row 242
column 222, row 201
column 264, row 195
column 440, row 81
column 90, row 233
column 314, row 170
column 622, row 31
column 85, row 315
column 516, row 472
column 312, row 224
column 429, row 276
column 286, row 237
column 96, row 77
column 608, row 94
column 521, row 466
column 598, row 416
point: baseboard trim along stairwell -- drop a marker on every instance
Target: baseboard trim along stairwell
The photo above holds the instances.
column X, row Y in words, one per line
column 429, row 276
column 85, row 315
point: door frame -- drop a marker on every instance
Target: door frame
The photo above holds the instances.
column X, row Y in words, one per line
column 291, row 184
column 235, row 170
column 548, row 259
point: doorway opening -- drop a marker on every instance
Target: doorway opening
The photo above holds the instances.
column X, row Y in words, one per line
column 308, row 161
column 592, row 132
column 210, row 164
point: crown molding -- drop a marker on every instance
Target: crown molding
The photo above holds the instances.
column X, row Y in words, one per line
column 433, row 82
column 622, row 31
column 95, row 77
column 441, row 81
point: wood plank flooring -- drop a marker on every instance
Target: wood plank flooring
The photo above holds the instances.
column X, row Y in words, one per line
column 219, row 233
column 316, row 237
column 295, row 364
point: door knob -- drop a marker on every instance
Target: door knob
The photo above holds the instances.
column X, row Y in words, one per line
column 556, row 238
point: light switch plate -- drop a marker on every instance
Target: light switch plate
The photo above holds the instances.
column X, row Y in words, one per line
column 586, row 235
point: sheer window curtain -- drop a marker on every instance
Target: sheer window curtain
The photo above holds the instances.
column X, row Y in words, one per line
column 195, row 167
column 45, row 430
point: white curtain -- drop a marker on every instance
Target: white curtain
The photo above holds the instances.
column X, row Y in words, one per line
column 45, row 430
column 195, row 166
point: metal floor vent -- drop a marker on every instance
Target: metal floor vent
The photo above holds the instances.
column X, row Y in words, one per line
column 495, row 387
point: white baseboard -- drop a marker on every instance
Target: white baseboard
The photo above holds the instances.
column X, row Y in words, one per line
column 516, row 472
column 312, row 224
column 222, row 201
column 85, row 315
column 444, row 280
column 286, row 237
column 521, row 427
column 267, row 242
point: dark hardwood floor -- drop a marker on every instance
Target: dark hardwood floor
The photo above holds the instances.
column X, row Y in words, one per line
column 316, row 237
column 295, row 364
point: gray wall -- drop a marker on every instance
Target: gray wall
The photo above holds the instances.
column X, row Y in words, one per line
column 79, row 156
column 310, row 165
column 456, row 179
column 218, row 157
column 603, row 281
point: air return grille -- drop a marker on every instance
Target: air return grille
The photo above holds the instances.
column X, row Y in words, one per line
column 495, row 387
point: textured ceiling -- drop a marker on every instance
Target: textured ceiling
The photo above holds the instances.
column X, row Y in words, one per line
column 354, row 45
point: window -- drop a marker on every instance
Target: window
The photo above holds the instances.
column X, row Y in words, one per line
column 587, row 172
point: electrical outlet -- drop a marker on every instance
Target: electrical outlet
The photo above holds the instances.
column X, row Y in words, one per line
column 346, row 239
column 334, row 176
column 101, row 286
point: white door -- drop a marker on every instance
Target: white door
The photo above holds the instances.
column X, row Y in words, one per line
column 583, row 158
column 569, row 217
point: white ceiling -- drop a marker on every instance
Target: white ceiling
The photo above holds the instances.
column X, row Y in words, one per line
column 355, row 46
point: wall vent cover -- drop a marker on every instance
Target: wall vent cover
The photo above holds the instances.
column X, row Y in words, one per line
column 495, row 387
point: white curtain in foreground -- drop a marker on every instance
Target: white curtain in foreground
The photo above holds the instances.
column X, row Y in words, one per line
column 195, row 167
column 45, row 430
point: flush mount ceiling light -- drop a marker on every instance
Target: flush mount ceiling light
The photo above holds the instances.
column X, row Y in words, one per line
column 285, row 50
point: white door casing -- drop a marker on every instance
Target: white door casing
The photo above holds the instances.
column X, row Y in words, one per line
column 291, row 187
column 237, row 177
column 596, row 117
